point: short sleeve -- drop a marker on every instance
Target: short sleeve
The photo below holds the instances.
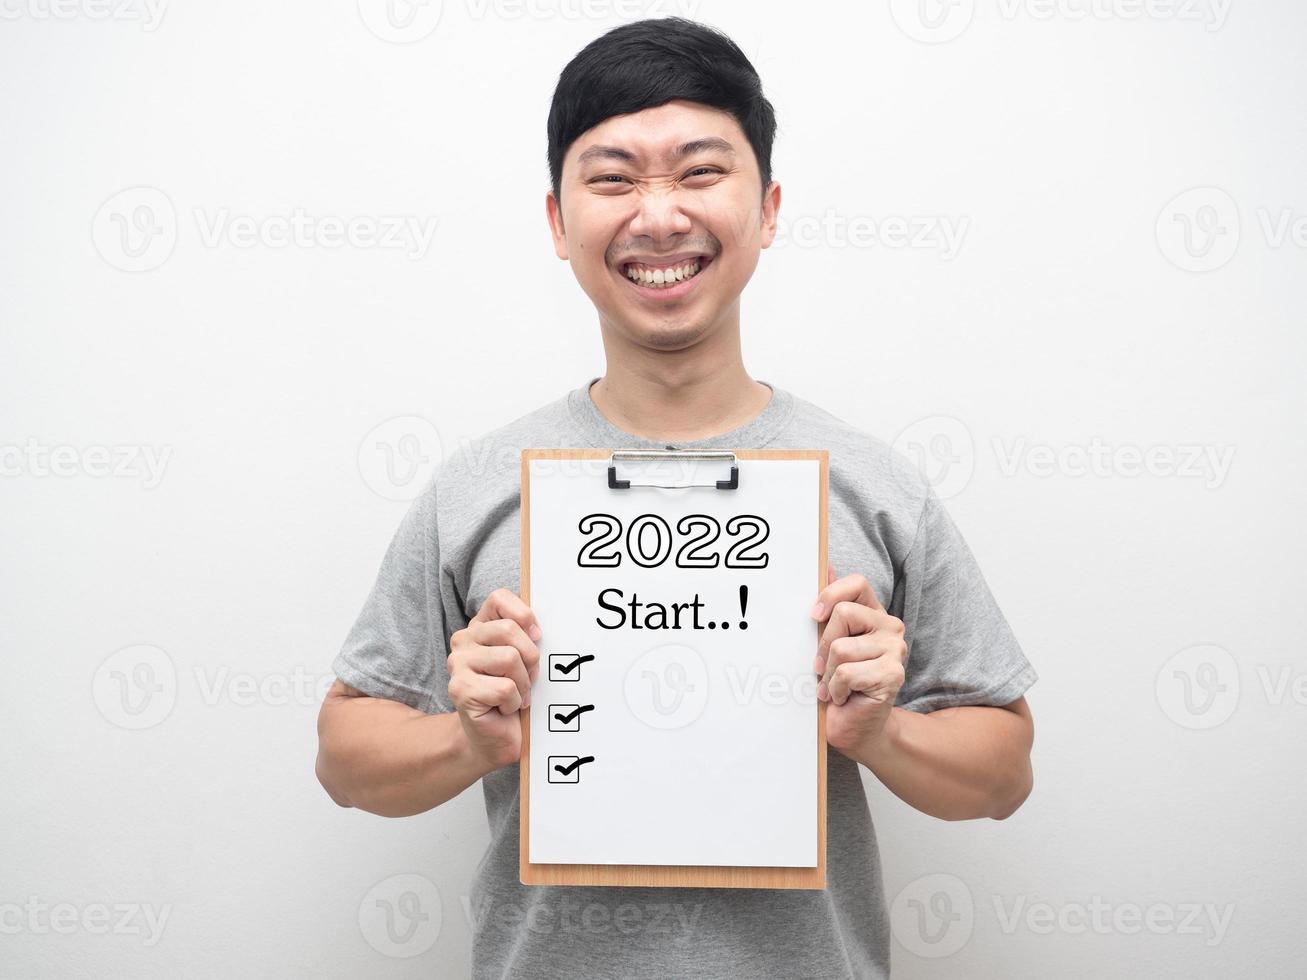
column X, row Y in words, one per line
column 961, row 650
column 397, row 647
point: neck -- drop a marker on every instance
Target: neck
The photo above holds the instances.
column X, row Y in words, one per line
column 681, row 395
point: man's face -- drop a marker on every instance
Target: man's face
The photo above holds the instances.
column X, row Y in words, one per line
column 649, row 197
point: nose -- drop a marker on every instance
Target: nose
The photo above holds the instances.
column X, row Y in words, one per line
column 660, row 216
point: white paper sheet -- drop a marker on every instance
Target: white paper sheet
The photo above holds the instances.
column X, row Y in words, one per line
column 703, row 741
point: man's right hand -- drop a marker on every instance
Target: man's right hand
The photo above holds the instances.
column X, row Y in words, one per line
column 491, row 666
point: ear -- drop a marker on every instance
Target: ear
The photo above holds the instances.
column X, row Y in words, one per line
column 771, row 206
column 555, row 215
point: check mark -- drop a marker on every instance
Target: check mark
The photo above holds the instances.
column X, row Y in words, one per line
column 568, row 769
column 574, row 664
column 572, row 715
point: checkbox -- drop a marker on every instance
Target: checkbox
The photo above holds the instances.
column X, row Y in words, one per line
column 567, row 768
column 566, row 666
column 567, row 717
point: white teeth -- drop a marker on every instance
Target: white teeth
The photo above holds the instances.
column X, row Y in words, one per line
column 662, row 278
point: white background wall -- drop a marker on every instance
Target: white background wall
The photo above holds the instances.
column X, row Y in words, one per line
column 1073, row 317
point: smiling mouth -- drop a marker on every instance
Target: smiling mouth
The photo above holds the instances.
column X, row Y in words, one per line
column 654, row 277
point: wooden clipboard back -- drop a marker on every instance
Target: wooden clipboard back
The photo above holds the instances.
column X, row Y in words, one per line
column 666, row 875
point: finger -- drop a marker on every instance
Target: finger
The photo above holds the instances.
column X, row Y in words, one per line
column 501, row 632
column 479, row 694
column 864, row 646
column 503, row 604
column 878, row 680
column 830, row 573
column 852, row 588
column 500, row 661
column 846, row 619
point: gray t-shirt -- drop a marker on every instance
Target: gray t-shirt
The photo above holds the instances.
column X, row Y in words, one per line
column 460, row 540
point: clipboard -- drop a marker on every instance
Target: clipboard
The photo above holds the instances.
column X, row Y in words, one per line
column 602, row 465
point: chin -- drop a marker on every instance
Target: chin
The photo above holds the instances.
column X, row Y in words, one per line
column 669, row 336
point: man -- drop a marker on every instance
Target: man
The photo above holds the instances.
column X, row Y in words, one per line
column 662, row 198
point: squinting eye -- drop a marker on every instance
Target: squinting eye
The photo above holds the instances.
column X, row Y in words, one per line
column 710, row 170
column 607, row 178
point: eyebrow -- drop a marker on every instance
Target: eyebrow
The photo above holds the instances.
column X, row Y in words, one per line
column 684, row 150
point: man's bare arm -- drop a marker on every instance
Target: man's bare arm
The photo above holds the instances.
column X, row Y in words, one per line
column 956, row 763
column 388, row 758
column 394, row 760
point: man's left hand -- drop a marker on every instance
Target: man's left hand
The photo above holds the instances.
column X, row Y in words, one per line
column 860, row 660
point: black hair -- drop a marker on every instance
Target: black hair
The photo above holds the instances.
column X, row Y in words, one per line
column 651, row 62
